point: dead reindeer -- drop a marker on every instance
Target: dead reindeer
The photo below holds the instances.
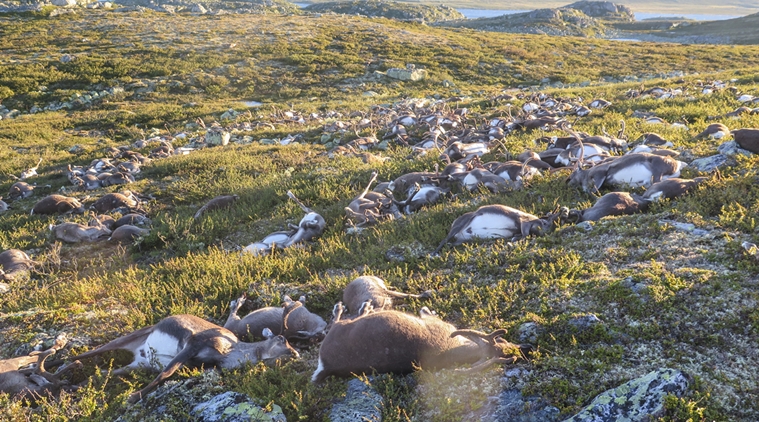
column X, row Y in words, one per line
column 186, row 339
column 312, row 225
column 591, row 152
column 57, row 204
column 655, row 140
column 30, row 172
column 75, row 172
column 713, row 131
column 515, row 171
column 102, row 219
column 87, row 182
column 116, row 200
column 292, row 320
column 75, row 232
column 20, row 190
column 373, row 289
column 533, row 160
column 396, row 342
column 420, row 197
column 634, row 170
column 217, row 203
column 611, row 204
column 19, row 380
column 15, row 263
column 498, row 222
column 747, row 139
column 128, row 234
column 459, row 150
column 671, row 188
column 268, row 243
column 475, row 178
column 118, row 178
column 403, row 185
column 371, row 207
column 132, row 219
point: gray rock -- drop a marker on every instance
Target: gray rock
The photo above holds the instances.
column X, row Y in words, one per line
column 361, row 403
column 198, row 8
column 67, row 58
column 4, row 288
column 514, row 407
column 731, row 149
column 407, row 74
column 528, row 332
column 64, row 3
column 585, row 321
column 202, row 398
column 641, row 399
column 234, row 407
column 709, row 163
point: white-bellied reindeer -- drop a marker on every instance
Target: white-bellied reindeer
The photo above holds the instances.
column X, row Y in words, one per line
column 292, row 320
column 634, row 170
column 499, row 222
column 371, row 207
column 312, row 225
column 397, row 342
column 188, row 340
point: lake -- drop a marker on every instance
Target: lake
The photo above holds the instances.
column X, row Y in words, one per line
column 491, row 13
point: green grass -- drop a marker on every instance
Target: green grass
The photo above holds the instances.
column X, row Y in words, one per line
column 666, row 297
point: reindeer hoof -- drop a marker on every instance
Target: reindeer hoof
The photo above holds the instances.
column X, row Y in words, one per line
column 134, row 398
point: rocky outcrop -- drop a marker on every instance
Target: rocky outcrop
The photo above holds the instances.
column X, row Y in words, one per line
column 561, row 22
column 641, row 399
column 388, row 9
column 204, row 398
column 604, row 10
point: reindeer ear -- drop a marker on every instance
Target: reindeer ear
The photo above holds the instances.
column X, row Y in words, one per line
column 267, row 333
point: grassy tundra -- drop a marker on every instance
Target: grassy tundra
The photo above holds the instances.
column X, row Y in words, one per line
column 667, row 297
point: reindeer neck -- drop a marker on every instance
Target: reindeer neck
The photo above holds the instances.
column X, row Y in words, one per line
column 242, row 352
column 467, row 352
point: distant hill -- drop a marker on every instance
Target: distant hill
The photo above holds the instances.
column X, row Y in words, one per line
column 260, row 6
column 388, row 9
column 564, row 22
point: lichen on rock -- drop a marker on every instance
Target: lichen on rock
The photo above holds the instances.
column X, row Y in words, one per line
column 636, row 400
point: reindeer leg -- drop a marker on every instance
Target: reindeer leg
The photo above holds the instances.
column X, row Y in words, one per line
column 186, row 354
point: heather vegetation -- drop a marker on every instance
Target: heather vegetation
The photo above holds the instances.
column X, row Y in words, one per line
column 672, row 287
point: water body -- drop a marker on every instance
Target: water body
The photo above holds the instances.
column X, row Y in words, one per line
column 491, row 13
column 639, row 16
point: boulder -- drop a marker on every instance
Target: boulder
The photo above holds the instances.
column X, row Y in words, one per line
column 408, row 74
column 234, row 407
column 198, row 8
column 641, row 399
column 64, row 3
column 709, row 163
